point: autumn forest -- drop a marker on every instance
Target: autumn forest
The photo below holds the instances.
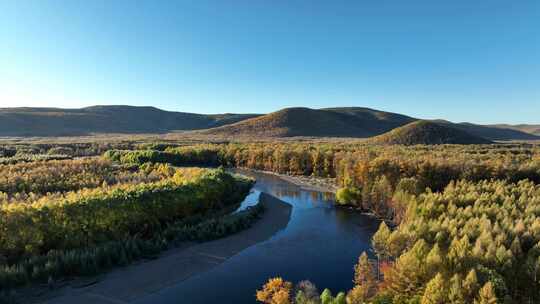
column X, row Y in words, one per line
column 459, row 224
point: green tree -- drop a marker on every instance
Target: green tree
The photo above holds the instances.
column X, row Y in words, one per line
column 327, row 298
column 341, row 298
column 348, row 195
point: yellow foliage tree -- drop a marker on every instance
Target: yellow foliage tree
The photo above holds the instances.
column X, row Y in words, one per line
column 486, row 295
column 275, row 291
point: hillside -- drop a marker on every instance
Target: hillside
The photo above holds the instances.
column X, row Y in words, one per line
column 104, row 119
column 427, row 133
column 346, row 122
column 531, row 129
column 491, row 132
column 331, row 122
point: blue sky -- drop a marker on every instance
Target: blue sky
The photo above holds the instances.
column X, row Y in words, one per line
column 461, row 60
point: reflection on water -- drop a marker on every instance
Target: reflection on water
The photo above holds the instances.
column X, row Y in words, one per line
column 321, row 243
column 251, row 200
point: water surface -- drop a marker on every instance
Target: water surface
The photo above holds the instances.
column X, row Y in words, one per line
column 321, row 243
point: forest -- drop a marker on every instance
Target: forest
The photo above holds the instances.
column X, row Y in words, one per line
column 368, row 175
column 460, row 222
column 470, row 243
column 461, row 225
column 65, row 218
column 269, row 152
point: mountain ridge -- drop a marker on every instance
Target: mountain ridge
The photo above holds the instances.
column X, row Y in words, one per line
column 359, row 122
column 527, row 128
column 27, row 121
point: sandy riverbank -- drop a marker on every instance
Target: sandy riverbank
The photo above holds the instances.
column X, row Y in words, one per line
column 125, row 285
column 310, row 183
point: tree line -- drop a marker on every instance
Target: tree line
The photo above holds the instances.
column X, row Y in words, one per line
column 372, row 178
column 21, row 181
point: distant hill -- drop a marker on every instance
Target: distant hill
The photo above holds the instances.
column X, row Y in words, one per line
column 427, row 133
column 105, row 119
column 331, row 122
column 531, row 129
column 346, row 122
column 491, row 132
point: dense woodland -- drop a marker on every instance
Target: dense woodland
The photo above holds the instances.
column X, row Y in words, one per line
column 466, row 220
column 471, row 243
column 465, row 217
column 462, row 226
column 368, row 175
column 78, row 217
column 38, row 178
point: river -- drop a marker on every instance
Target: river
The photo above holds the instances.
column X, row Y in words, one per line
column 320, row 243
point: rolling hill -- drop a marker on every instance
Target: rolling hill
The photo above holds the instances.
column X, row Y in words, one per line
column 490, row 132
column 346, row 122
column 105, row 119
column 331, row 122
column 328, row 122
column 531, row 129
column 427, row 133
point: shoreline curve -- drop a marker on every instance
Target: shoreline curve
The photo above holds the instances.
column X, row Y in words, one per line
column 133, row 282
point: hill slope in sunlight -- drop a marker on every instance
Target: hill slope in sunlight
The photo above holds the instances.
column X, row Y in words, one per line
column 331, row 122
column 424, row 132
column 355, row 122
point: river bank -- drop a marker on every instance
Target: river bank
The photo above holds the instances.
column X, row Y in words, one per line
column 127, row 284
column 309, row 183
column 320, row 243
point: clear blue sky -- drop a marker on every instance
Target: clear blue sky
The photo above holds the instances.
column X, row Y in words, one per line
column 461, row 60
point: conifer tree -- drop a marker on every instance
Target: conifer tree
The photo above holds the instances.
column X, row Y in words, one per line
column 326, row 297
column 408, row 274
column 357, row 295
column 486, row 295
column 434, row 260
column 471, row 285
column 341, row 298
column 435, row 292
column 396, row 243
column 364, row 276
column 455, row 291
column 379, row 239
